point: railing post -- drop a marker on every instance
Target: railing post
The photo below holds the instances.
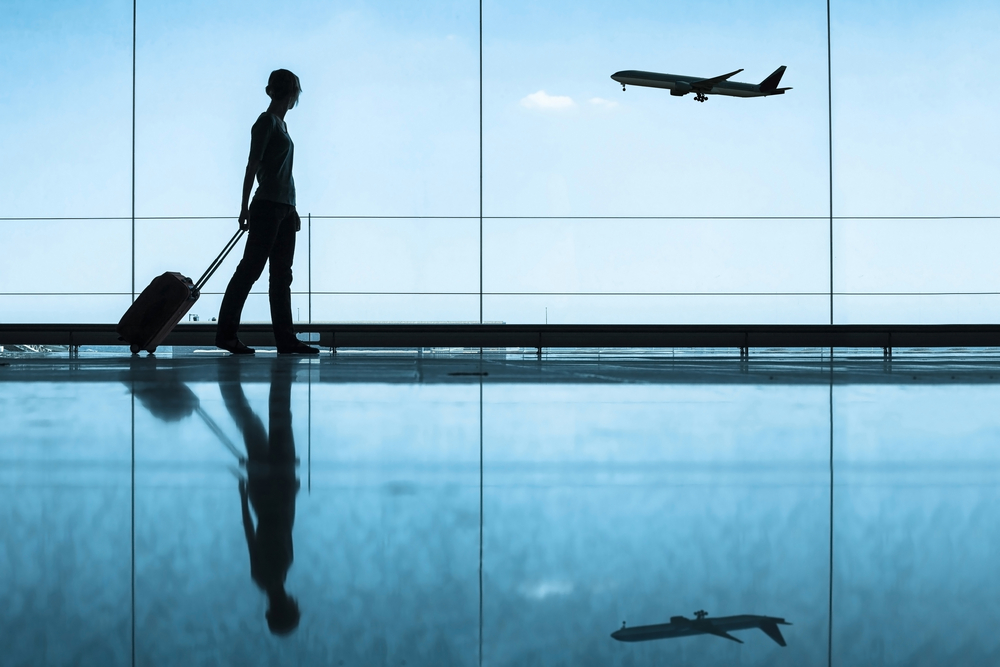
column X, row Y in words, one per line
column 309, row 255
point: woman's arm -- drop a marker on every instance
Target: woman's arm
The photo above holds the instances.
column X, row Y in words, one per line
column 248, row 177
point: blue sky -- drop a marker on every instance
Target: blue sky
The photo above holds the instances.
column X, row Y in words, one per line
column 389, row 125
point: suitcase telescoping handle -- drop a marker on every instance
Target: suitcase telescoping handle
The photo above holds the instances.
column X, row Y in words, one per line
column 217, row 262
column 221, row 435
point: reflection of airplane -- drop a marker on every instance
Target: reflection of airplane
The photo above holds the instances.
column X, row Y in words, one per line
column 716, row 85
column 680, row 626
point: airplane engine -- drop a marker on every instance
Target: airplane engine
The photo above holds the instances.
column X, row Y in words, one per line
column 680, row 88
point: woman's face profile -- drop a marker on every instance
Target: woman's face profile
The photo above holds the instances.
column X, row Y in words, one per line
column 293, row 99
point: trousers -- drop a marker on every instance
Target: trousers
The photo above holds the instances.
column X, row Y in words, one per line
column 270, row 239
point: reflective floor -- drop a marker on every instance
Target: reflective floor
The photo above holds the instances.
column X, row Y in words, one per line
column 462, row 510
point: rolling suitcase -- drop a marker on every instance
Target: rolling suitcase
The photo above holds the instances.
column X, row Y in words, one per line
column 158, row 309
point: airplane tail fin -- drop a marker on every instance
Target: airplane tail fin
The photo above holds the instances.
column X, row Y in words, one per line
column 771, row 629
column 770, row 84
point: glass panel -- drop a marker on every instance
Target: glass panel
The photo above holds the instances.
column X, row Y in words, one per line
column 402, row 270
column 656, row 309
column 66, row 99
column 364, row 270
column 189, row 247
column 43, row 256
column 916, row 470
column 64, row 308
column 916, row 271
column 414, row 255
column 394, row 308
column 387, row 123
column 906, row 146
column 914, row 127
column 393, row 523
column 385, row 516
column 561, row 138
column 65, row 494
column 606, row 504
column 656, row 271
column 65, row 270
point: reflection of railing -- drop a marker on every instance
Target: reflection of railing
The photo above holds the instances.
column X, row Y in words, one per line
column 309, row 291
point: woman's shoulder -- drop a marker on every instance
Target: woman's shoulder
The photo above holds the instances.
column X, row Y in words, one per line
column 266, row 119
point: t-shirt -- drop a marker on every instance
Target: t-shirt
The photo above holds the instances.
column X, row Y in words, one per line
column 270, row 143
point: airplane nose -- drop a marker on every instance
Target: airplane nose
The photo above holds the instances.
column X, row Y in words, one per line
column 617, row 76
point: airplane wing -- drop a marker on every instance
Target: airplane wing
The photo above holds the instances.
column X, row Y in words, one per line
column 707, row 84
column 719, row 632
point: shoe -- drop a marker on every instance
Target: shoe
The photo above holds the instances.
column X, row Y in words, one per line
column 234, row 346
column 301, row 348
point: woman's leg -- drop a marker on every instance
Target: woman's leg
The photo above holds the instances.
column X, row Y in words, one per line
column 249, row 424
column 281, row 441
column 280, row 282
column 264, row 224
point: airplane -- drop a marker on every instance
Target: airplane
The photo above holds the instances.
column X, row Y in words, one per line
column 680, row 86
column 679, row 626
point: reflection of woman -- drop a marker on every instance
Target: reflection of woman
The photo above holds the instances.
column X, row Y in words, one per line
column 270, row 489
column 272, row 221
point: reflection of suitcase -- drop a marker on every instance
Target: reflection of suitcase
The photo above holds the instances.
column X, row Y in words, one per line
column 155, row 312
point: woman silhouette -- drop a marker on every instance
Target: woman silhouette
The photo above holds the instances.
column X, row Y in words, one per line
column 270, row 487
column 272, row 222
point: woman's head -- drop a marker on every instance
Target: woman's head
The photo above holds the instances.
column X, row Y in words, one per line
column 282, row 614
column 282, row 84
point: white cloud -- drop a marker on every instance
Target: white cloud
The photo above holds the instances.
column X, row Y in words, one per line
column 602, row 103
column 542, row 100
column 545, row 589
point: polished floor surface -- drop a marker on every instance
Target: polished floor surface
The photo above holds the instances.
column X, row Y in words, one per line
column 405, row 509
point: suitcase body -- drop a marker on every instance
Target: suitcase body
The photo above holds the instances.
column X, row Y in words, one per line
column 163, row 304
column 156, row 311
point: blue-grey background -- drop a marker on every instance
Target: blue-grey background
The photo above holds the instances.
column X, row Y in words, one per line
column 389, row 125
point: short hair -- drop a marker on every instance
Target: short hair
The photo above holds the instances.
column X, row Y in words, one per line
column 282, row 83
column 283, row 616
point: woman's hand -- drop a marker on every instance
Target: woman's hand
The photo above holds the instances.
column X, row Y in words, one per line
column 245, row 218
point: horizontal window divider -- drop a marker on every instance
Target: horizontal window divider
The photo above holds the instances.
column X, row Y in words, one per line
column 825, row 294
column 914, row 293
column 373, row 293
column 112, row 218
column 117, row 218
column 739, row 217
column 394, row 217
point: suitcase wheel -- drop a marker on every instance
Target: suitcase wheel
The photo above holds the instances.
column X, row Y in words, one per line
column 134, row 348
column 151, row 350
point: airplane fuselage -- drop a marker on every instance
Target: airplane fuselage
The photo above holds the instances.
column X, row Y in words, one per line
column 679, row 82
column 679, row 626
